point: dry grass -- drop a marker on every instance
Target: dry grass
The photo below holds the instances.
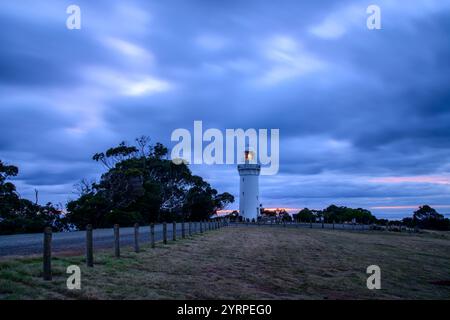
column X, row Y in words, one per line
column 250, row 263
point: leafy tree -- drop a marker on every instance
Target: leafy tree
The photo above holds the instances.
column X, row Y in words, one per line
column 304, row 215
column 142, row 185
column 427, row 217
column 409, row 222
column 21, row 215
column 285, row 216
column 348, row 214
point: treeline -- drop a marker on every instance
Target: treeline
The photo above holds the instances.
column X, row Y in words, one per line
column 337, row 214
column 139, row 185
column 425, row 217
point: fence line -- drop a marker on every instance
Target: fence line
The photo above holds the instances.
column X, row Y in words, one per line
column 192, row 229
column 330, row 226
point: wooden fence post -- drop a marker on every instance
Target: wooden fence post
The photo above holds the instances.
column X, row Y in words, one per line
column 174, row 231
column 152, row 235
column 165, row 233
column 89, row 246
column 116, row 241
column 323, row 222
column 136, row 237
column 47, row 257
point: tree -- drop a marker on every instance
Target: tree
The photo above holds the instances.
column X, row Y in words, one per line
column 21, row 215
column 142, row 185
column 285, row 216
column 427, row 217
column 335, row 213
column 409, row 222
column 304, row 215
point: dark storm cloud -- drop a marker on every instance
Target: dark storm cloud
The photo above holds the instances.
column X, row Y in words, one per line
column 351, row 104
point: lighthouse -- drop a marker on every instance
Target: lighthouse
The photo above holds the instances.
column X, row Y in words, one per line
column 249, row 187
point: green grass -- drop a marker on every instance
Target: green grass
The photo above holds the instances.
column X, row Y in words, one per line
column 249, row 263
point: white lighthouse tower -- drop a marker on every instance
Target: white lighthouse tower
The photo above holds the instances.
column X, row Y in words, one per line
column 249, row 187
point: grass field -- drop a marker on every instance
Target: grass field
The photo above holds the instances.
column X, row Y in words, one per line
column 250, row 263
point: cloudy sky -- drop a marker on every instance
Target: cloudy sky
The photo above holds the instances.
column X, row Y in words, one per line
column 364, row 115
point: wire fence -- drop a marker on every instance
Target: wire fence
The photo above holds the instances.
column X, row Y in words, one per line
column 328, row 225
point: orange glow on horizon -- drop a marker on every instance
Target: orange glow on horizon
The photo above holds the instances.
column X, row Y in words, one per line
column 222, row 212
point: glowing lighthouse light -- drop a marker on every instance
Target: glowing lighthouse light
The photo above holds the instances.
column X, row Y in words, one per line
column 249, row 187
